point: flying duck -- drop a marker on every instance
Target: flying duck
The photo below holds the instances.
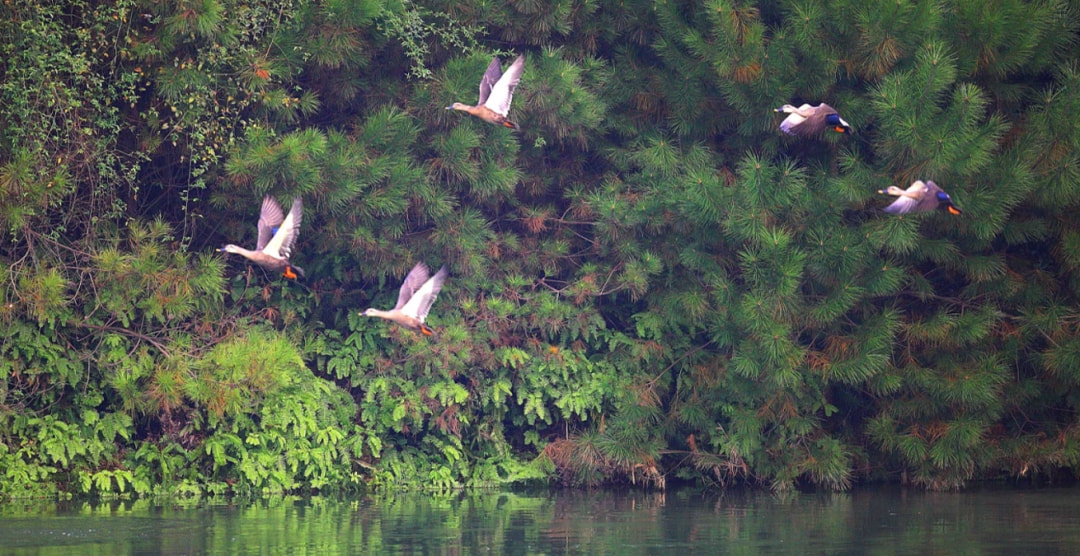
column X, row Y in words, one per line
column 919, row 197
column 417, row 294
column 811, row 121
column 496, row 91
column 277, row 235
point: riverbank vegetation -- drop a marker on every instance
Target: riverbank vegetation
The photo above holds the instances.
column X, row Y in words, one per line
column 648, row 281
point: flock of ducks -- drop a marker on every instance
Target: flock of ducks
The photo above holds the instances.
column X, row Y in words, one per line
column 277, row 235
column 278, row 231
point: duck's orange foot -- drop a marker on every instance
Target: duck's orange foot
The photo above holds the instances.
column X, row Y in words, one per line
column 289, row 273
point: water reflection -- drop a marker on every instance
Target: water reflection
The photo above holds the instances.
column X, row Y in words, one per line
column 888, row 521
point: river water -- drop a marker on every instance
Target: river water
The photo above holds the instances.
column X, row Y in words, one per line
column 879, row 520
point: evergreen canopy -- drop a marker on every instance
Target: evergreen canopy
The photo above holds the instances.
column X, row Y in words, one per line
column 648, row 281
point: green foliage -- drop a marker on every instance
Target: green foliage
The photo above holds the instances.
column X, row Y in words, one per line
column 61, row 158
column 647, row 281
column 416, row 28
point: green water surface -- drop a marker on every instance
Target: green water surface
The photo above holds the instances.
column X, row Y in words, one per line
column 865, row 521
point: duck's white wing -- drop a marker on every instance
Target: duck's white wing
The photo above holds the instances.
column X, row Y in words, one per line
column 909, row 201
column 791, row 121
column 795, row 117
column 491, row 77
column 502, row 92
column 420, row 303
column 270, row 217
column 280, row 246
column 413, row 282
column 902, row 205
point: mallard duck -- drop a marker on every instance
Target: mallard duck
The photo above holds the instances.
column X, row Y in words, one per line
column 811, row 121
column 919, row 197
column 414, row 301
column 496, row 91
column 277, row 235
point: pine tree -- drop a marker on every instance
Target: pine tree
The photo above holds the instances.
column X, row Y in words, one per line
column 648, row 280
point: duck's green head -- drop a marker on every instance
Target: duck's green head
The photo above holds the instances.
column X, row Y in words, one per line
column 837, row 123
column 946, row 201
